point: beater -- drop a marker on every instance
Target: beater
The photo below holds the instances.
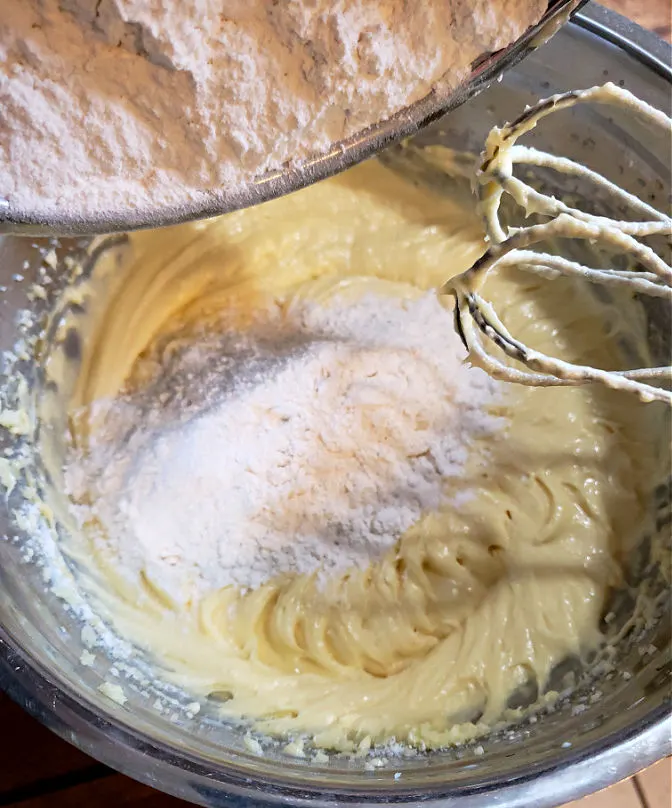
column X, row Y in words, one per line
column 648, row 274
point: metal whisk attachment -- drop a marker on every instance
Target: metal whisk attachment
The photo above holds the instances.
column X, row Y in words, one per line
column 649, row 274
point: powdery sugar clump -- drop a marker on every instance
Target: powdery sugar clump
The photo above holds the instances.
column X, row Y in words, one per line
column 322, row 453
column 107, row 105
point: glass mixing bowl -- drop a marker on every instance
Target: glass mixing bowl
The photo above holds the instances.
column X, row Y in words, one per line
column 600, row 733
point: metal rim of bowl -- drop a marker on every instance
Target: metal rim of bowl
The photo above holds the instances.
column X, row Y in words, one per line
column 605, row 761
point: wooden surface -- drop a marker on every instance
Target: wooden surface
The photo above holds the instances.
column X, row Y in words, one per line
column 38, row 770
column 656, row 15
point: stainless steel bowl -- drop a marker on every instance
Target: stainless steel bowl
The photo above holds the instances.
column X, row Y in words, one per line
column 604, row 731
column 341, row 155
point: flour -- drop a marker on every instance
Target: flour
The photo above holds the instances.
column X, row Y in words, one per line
column 319, row 451
column 107, row 105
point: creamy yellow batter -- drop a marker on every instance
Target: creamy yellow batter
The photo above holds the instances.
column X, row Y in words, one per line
column 429, row 643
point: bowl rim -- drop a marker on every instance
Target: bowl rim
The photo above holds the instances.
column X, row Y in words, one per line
column 576, row 772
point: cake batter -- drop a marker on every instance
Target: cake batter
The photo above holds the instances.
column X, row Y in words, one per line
column 484, row 593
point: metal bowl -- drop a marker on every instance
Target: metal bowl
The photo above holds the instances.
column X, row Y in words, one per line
column 341, row 155
column 604, row 730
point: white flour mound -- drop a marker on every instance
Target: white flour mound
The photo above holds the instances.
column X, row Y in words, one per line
column 320, row 455
column 111, row 104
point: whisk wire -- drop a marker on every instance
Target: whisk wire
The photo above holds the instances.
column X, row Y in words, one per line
column 476, row 318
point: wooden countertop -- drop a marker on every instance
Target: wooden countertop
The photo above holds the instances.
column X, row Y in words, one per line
column 38, row 770
column 656, row 15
